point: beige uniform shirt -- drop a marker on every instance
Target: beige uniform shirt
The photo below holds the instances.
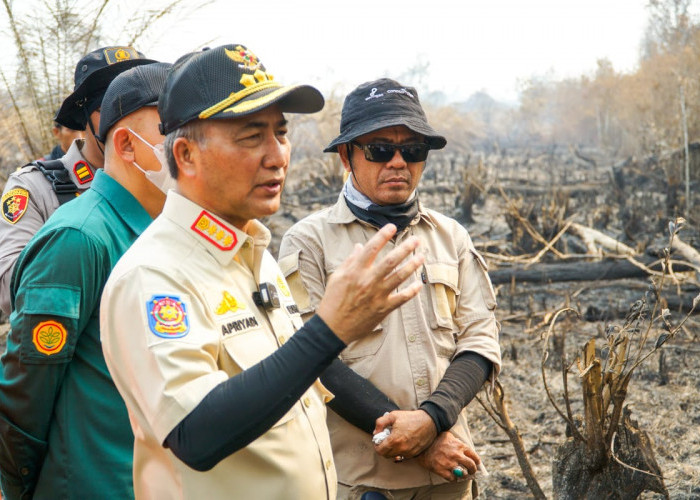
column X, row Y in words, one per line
column 177, row 319
column 27, row 202
column 413, row 346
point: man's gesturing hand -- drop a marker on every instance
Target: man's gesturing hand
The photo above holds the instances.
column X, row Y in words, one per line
column 360, row 293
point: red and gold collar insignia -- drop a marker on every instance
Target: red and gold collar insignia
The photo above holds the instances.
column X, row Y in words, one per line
column 14, row 204
column 214, row 231
column 83, row 172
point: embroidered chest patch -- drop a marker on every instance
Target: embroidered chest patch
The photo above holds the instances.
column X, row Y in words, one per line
column 214, row 231
column 83, row 172
column 49, row 337
column 14, row 204
column 229, row 304
column 167, row 316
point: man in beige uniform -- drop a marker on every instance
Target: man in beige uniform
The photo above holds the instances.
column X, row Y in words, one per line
column 34, row 192
column 199, row 329
column 430, row 356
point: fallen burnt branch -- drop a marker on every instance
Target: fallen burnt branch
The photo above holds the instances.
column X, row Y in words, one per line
column 608, row 269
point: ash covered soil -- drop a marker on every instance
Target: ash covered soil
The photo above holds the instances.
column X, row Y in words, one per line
column 668, row 411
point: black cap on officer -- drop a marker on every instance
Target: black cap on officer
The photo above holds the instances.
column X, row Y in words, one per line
column 130, row 91
column 93, row 74
column 227, row 82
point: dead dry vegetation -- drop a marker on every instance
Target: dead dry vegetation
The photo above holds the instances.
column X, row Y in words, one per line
column 563, row 228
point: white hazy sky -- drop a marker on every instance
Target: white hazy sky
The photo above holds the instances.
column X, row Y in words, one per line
column 470, row 45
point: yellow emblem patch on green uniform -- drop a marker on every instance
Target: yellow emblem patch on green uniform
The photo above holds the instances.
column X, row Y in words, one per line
column 49, row 337
column 14, row 204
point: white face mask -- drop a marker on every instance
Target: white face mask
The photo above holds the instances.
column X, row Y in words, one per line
column 160, row 178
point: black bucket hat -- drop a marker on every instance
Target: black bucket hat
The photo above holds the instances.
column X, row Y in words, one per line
column 380, row 104
column 227, row 82
column 130, row 91
column 93, row 74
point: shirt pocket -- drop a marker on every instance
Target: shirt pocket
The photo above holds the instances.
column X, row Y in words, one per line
column 250, row 347
column 49, row 323
column 443, row 291
column 364, row 347
column 487, row 291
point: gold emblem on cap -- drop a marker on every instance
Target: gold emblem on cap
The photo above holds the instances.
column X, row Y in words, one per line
column 257, row 81
column 244, row 57
column 122, row 55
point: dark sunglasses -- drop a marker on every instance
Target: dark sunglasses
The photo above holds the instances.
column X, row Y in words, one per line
column 381, row 153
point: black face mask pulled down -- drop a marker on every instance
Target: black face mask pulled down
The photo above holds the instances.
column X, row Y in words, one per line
column 399, row 215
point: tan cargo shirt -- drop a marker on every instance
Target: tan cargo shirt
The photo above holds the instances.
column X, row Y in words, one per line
column 28, row 200
column 177, row 319
column 411, row 349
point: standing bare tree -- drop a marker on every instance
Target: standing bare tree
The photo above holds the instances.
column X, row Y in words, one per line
column 47, row 37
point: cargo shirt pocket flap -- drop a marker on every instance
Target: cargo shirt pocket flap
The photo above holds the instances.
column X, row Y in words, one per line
column 444, row 290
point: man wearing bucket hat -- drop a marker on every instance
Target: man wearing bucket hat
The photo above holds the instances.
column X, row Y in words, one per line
column 64, row 429
column 35, row 191
column 429, row 357
column 199, row 329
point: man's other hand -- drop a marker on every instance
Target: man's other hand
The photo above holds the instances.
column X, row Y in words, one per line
column 446, row 453
column 411, row 433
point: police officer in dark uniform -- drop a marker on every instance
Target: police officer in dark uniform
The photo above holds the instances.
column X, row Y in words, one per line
column 35, row 191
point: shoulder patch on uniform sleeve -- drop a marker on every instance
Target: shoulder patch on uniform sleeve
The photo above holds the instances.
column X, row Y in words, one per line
column 167, row 316
column 49, row 337
column 14, row 204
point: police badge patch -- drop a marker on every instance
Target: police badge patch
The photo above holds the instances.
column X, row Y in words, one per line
column 167, row 316
column 14, row 204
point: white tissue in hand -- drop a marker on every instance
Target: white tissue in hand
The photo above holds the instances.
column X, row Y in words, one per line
column 381, row 436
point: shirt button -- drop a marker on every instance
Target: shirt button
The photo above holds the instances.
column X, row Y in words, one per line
column 24, row 471
column 307, row 401
column 282, row 339
column 420, row 382
column 328, row 464
column 412, row 338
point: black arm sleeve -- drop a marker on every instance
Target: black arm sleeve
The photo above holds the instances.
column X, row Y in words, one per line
column 462, row 380
column 356, row 400
column 248, row 404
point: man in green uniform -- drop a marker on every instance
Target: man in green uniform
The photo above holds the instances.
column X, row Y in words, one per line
column 64, row 429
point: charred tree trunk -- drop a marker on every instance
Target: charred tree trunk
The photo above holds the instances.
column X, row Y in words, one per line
column 579, row 474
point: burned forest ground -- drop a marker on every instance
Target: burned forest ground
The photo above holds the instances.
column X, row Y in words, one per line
column 506, row 197
column 526, row 212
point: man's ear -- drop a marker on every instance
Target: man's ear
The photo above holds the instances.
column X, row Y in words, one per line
column 122, row 144
column 185, row 153
column 343, row 153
